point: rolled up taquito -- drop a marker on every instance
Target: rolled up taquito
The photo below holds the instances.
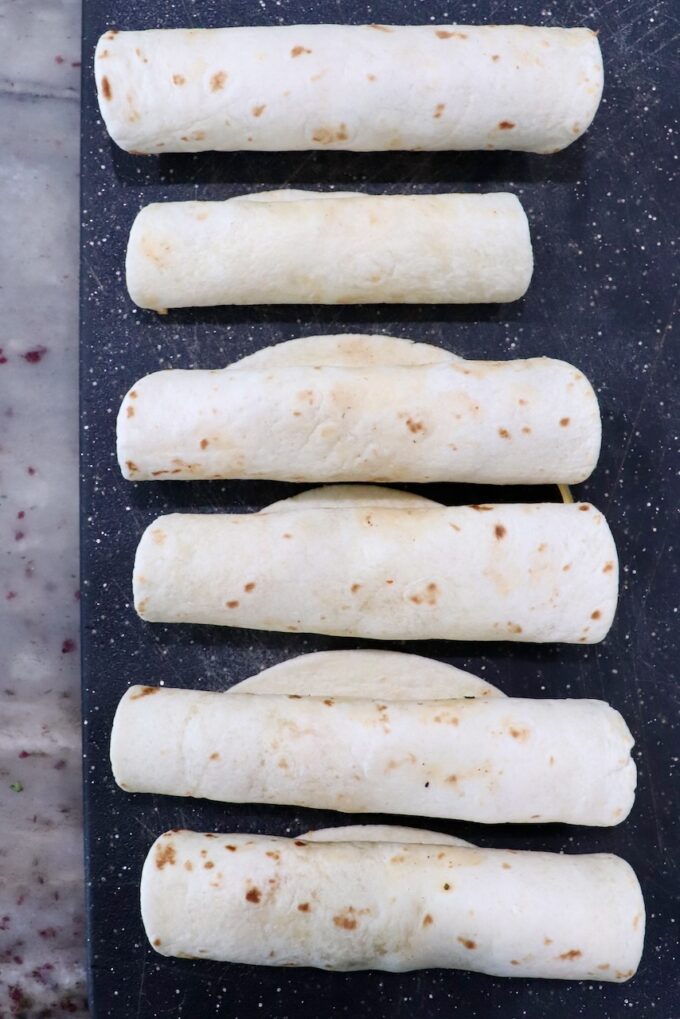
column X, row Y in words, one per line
column 394, row 905
column 422, row 414
column 351, row 565
column 490, row 760
column 357, row 87
column 307, row 247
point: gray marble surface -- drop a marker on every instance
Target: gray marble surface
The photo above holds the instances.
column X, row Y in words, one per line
column 41, row 886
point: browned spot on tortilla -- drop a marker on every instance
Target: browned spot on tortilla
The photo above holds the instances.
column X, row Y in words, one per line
column 371, row 77
column 381, row 28
column 608, row 567
column 468, row 943
column 188, row 865
column 480, row 508
column 566, row 567
column 623, row 975
column 157, row 942
column 215, row 756
column 514, row 962
column 297, row 51
column 329, row 702
column 521, row 734
column 636, row 921
column 495, row 57
column 551, row 759
column 299, row 842
column 504, row 433
column 112, row 33
column 604, row 965
column 208, row 865
column 573, row 953
column 103, row 55
column 106, row 88
column 596, row 614
column 165, row 854
column 428, row 597
column 178, row 79
column 250, row 586
column 303, row 907
column 341, row 134
column 144, row 692
column 584, row 508
column 452, row 778
column 389, row 581
column 500, row 531
column 141, row 607
column 253, row 895
column 232, row 849
column 217, row 81
column 506, row 866
column 564, row 422
column 345, row 920
column 282, row 763
column 506, row 125
column 526, row 430
column 259, row 110
column 322, row 135
column 131, row 412
column 414, row 426
column 233, row 604
column 455, row 527
column 438, row 110
column 446, row 886
column 547, row 941
column 427, row 920
column 204, row 443
column 286, row 535
column 354, row 588
column 442, row 33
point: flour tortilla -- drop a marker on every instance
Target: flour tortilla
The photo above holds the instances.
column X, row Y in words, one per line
column 311, row 247
column 538, row 572
column 393, row 906
column 379, row 675
column 363, row 88
column 435, row 418
column 490, row 760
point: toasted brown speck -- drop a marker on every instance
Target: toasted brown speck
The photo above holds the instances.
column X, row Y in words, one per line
column 348, row 923
column 468, row 943
column 303, row 907
column 259, row 110
column 506, row 866
column 131, row 412
column 215, row 756
column 204, row 443
column 217, row 81
column 495, row 57
column 106, row 88
column 297, row 51
column 178, row 79
column 480, row 508
column 604, row 965
column 506, row 125
column 500, row 531
column 381, row 28
column 584, row 508
column 442, row 33
column 427, row 920
column 504, row 433
column 232, row 849
column 520, row 734
column 414, row 426
column 564, row 422
column 526, row 430
column 573, row 953
column 596, row 614
column 286, row 535
column 608, row 567
column 157, row 942
column 329, row 702
column 446, row 886
column 253, row 895
column 438, row 110
column 208, row 865
column 188, row 865
column 354, row 588
column 233, row 604
column 452, row 778
column 144, row 692
column 165, row 855
column 371, row 77
column 299, row 842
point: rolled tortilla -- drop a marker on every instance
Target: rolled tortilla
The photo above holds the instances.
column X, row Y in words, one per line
column 490, row 760
column 440, row 419
column 393, row 906
column 539, row 572
column 357, row 87
column 307, row 247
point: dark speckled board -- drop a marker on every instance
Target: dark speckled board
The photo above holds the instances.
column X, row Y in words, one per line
column 604, row 228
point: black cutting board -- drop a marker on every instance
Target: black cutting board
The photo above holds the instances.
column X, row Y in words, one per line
column 602, row 297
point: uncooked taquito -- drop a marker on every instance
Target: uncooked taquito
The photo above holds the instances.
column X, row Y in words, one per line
column 490, row 760
column 311, row 247
column 392, row 905
column 353, row 565
column 357, row 87
column 423, row 414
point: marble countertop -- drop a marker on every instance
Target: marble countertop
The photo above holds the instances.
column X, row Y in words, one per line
column 41, row 883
